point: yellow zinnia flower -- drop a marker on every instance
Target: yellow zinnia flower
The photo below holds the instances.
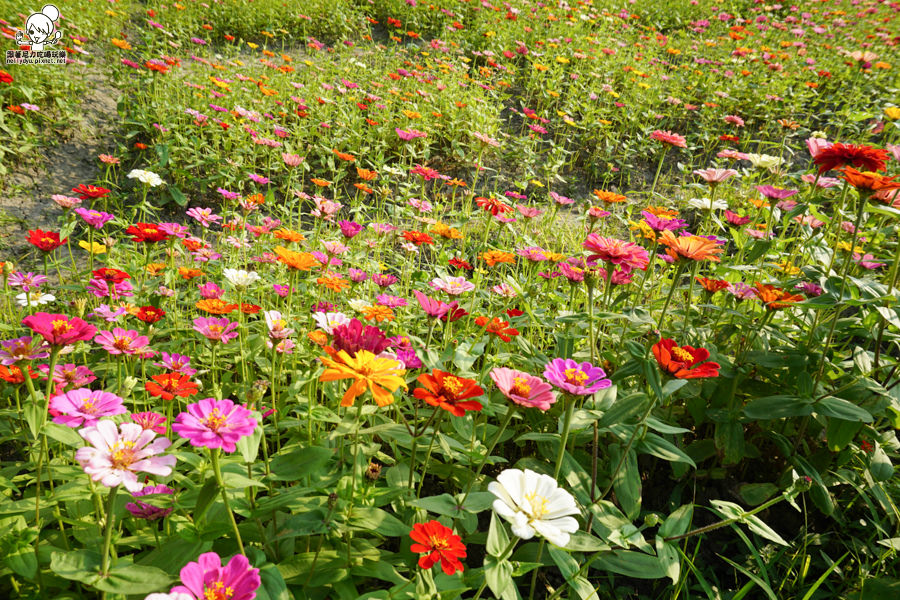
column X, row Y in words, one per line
column 93, row 248
column 367, row 370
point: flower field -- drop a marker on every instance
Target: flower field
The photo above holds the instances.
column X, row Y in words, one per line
column 399, row 299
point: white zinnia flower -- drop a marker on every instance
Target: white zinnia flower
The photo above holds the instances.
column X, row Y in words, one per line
column 327, row 321
column 704, row 204
column 533, row 503
column 277, row 325
column 764, row 161
column 241, row 278
column 358, row 304
column 34, row 298
column 148, row 177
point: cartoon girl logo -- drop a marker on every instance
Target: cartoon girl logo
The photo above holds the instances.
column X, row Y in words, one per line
column 40, row 29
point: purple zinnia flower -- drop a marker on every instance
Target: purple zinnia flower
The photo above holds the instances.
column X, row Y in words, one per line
column 94, row 218
column 27, row 281
column 258, row 178
column 178, row 363
column 577, row 379
column 214, row 423
column 349, row 229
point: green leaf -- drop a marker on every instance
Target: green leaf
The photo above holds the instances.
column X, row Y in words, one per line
column 296, row 465
column 204, row 498
column 248, row 445
column 64, row 435
column 778, row 407
column 568, row 567
column 177, row 196
column 624, row 409
column 842, row 409
column 627, row 482
column 497, row 539
column 730, row 510
column 32, row 417
column 581, row 541
column 21, row 559
column 755, row 494
column 76, row 565
column 669, row 560
column 133, row 579
column 678, row 522
column 375, row 519
column 498, row 575
column 839, row 433
column 662, row 448
column 631, row 564
column 880, row 466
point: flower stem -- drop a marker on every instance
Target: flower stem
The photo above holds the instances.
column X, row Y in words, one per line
column 107, row 531
column 510, row 411
column 214, row 459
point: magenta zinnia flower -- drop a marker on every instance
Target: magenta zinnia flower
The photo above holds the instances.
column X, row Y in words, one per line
column 775, row 193
column 214, row 423
column 216, row 330
column 354, row 336
column 578, row 379
column 207, row 579
column 150, row 420
column 628, row 255
column 115, row 456
column 142, row 510
column 122, row 341
column 433, row 308
column 523, row 389
column 85, row 407
column 59, row 330
column 95, row 218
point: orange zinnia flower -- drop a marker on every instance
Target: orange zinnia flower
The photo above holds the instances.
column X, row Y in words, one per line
column 367, row 370
column 215, row 306
column 302, row 261
column 492, row 257
column 189, row 274
column 690, row 247
column 417, row 237
column 609, row 197
column 449, row 392
column 169, row 385
column 378, row 313
column 289, row 235
column 363, row 188
column 343, row 155
column 155, row 269
column 320, row 182
column 445, row 231
column 333, row 282
column 712, row 285
column 662, row 212
column 497, row 327
column 775, row 298
column 366, row 174
column 867, row 180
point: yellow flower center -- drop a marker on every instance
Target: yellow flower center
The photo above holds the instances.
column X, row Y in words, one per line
column 575, row 376
column 452, row 384
column 538, row 505
column 88, row 407
column 121, row 342
column 122, row 454
column 60, row 326
column 438, row 543
column 682, row 354
column 520, row 387
column 218, row 591
column 215, row 420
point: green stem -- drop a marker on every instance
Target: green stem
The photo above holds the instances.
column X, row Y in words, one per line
column 214, row 459
column 107, row 531
column 510, row 411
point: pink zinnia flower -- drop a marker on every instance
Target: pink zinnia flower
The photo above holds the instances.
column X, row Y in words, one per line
column 433, row 308
column 95, row 218
column 85, row 407
column 65, row 201
column 214, row 423
column 142, row 510
column 59, row 330
column 207, row 579
column 204, row 216
column 70, row 374
column 734, row 120
column 816, row 145
column 150, row 420
column 22, row 349
column 628, row 255
column 210, row 290
column 452, row 285
column 866, row 261
column 216, row 329
column 577, row 379
column 561, row 200
column 291, row 160
column 116, row 456
column 412, row 134
column 122, row 341
column 176, row 362
column 523, row 389
column 715, row 176
column 667, row 137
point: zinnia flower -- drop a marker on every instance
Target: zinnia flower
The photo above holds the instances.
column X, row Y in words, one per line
column 667, row 137
column 523, row 389
column 214, row 423
column 85, row 407
column 577, row 379
column 149, row 512
column 497, row 327
column 116, row 456
column 22, row 349
column 46, row 241
column 859, row 155
column 169, row 385
column 775, row 298
column 628, row 255
column 216, row 330
column 683, row 362
column 367, row 370
column 690, row 247
column 122, row 341
column 59, row 330
column 438, row 543
column 532, row 503
column 449, row 392
column 207, row 579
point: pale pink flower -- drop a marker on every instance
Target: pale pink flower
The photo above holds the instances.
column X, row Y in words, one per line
column 116, row 456
column 523, row 389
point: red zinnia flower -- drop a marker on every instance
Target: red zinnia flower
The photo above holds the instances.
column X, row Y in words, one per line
column 90, row 192
column 14, row 375
column 146, row 232
column 449, row 392
column 110, row 275
column 150, row 314
column 417, row 237
column 683, row 362
column 493, row 205
column 48, row 241
column 858, row 155
column 169, row 385
column 460, row 264
column 438, row 543
column 497, row 327
column 712, row 285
